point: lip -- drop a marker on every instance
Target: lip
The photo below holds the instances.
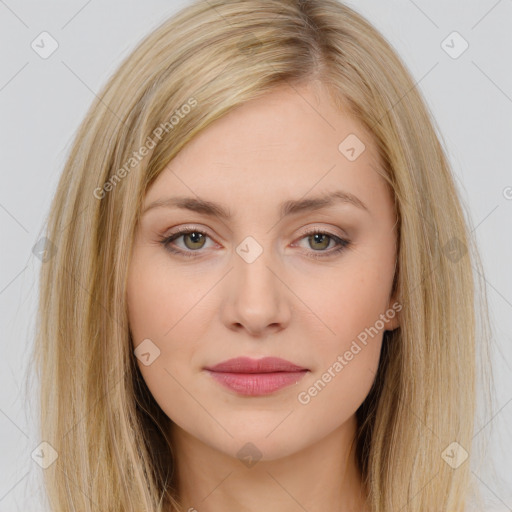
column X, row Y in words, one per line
column 248, row 365
column 256, row 377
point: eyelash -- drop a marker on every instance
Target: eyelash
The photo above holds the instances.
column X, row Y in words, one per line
column 166, row 241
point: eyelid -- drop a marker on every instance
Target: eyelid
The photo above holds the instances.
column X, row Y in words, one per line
column 316, row 229
column 310, row 230
column 187, row 229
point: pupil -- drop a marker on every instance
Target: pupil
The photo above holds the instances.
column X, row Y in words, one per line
column 195, row 239
column 319, row 238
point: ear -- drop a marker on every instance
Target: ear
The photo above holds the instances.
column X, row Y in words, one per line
column 392, row 313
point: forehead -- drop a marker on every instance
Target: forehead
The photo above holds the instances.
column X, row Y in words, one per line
column 288, row 143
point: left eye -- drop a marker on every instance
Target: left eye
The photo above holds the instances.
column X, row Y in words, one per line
column 320, row 237
column 195, row 239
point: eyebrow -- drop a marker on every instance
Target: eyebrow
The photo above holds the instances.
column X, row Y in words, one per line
column 290, row 207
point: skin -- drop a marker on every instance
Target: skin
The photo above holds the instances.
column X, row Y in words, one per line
column 202, row 310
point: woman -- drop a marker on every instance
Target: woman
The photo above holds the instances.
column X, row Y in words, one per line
column 262, row 291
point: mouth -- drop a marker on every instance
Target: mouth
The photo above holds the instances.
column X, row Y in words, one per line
column 256, row 377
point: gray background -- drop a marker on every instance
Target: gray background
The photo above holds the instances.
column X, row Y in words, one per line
column 42, row 101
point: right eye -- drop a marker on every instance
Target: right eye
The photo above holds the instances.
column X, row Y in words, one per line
column 194, row 240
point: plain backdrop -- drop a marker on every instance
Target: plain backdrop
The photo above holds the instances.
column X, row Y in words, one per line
column 42, row 102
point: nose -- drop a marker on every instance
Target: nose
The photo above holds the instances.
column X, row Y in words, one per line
column 257, row 299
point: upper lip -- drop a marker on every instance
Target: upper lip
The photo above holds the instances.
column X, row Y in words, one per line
column 248, row 365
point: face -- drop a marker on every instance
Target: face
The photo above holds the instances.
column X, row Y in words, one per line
column 290, row 255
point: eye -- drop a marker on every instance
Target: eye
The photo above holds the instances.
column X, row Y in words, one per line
column 195, row 239
column 320, row 240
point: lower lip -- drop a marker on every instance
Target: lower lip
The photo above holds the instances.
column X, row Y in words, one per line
column 256, row 384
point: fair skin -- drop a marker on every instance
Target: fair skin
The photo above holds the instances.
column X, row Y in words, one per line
column 216, row 305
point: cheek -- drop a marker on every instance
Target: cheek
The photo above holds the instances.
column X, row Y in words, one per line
column 349, row 303
column 157, row 303
column 143, row 299
column 336, row 392
column 159, row 311
column 348, row 353
column 351, row 307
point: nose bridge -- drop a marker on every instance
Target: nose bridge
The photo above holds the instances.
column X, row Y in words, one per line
column 258, row 297
column 252, row 268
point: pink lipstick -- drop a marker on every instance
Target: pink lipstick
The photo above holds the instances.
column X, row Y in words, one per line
column 255, row 377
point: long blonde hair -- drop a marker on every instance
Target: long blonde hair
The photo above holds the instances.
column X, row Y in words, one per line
column 96, row 411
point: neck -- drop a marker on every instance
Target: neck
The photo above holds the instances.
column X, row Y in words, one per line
column 323, row 476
